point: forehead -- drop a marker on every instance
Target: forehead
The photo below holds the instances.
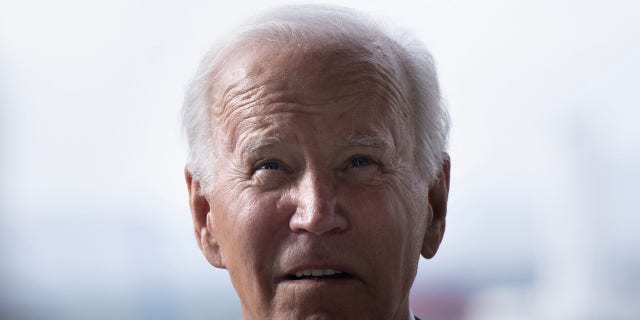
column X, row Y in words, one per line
column 258, row 83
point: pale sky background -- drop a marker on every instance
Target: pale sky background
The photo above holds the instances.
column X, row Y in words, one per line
column 545, row 145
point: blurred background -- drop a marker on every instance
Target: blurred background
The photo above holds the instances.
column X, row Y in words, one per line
column 545, row 144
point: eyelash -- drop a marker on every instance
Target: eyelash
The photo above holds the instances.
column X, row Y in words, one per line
column 362, row 161
column 267, row 165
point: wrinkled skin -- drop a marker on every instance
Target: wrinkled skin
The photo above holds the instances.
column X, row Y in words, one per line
column 315, row 169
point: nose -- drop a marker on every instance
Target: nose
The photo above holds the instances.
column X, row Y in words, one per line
column 317, row 209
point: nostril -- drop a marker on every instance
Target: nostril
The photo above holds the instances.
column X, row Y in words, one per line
column 318, row 223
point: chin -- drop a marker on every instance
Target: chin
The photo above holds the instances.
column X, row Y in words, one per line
column 322, row 315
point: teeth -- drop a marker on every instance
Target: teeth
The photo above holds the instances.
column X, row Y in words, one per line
column 317, row 272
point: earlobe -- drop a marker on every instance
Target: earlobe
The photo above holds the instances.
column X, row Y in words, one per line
column 211, row 248
column 436, row 223
column 202, row 222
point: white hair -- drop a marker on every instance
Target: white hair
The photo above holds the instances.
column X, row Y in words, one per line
column 295, row 24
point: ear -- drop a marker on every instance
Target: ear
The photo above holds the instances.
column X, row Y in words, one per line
column 436, row 221
column 203, row 222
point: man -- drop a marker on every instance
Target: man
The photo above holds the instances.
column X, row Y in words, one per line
column 317, row 171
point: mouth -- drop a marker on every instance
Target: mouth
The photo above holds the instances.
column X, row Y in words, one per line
column 317, row 274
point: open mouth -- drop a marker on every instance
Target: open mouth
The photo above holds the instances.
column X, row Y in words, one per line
column 318, row 274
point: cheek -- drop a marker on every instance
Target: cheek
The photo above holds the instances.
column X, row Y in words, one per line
column 253, row 226
column 387, row 215
column 249, row 244
column 247, row 220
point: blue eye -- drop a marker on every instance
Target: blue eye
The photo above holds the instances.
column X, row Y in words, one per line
column 360, row 162
column 270, row 166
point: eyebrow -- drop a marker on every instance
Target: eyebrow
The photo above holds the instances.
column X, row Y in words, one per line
column 255, row 145
column 383, row 142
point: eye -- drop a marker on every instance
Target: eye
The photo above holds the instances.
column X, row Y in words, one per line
column 361, row 170
column 270, row 174
column 360, row 162
column 269, row 165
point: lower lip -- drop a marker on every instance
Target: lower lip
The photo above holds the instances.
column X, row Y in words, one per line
column 312, row 282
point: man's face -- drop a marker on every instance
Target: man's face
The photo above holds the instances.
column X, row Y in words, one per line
column 317, row 207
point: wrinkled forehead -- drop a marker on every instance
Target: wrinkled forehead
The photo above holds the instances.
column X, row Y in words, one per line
column 312, row 72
